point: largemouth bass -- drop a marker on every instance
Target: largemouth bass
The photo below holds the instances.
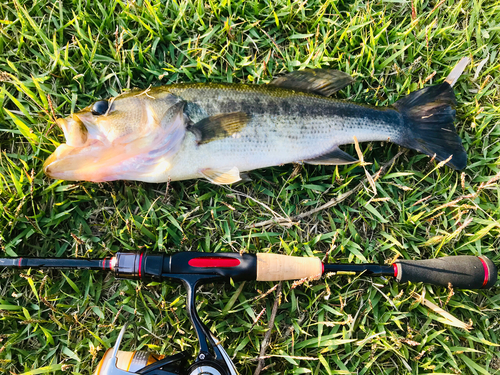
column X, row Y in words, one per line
column 217, row 131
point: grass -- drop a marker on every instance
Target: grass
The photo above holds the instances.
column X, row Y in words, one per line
column 57, row 57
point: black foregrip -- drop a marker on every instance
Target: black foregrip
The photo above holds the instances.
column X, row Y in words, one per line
column 462, row 271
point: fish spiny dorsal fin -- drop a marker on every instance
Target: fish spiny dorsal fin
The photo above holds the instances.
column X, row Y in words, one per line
column 219, row 126
column 323, row 82
column 334, row 157
column 221, row 177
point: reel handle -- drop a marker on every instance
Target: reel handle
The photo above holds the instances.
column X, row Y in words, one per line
column 462, row 271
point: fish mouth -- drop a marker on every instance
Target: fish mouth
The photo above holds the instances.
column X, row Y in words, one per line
column 88, row 154
column 82, row 157
column 88, row 163
column 74, row 130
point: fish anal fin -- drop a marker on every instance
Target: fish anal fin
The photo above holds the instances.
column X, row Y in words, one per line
column 334, row 157
column 323, row 82
column 219, row 126
column 221, row 177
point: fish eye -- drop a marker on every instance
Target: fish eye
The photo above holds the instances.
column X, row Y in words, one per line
column 100, row 108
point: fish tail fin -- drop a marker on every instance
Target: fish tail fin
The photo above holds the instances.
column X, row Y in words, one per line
column 429, row 115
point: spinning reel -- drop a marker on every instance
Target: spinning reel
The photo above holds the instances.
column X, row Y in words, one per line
column 211, row 359
column 117, row 362
column 194, row 269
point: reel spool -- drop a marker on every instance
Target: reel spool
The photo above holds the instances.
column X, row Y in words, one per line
column 127, row 361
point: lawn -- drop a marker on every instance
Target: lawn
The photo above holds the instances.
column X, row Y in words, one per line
column 57, row 57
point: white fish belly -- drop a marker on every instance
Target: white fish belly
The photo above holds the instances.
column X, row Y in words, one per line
column 273, row 140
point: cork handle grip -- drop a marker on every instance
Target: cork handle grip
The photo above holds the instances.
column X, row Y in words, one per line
column 275, row 267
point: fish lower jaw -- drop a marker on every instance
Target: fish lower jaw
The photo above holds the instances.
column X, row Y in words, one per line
column 101, row 164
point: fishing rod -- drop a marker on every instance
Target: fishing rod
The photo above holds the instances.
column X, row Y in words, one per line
column 196, row 268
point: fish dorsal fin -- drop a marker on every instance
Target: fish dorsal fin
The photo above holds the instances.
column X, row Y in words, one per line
column 221, row 176
column 334, row 157
column 323, row 82
column 219, row 126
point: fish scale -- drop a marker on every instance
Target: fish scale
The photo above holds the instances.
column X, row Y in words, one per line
column 274, row 136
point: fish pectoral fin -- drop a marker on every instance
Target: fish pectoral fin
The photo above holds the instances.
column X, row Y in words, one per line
column 221, row 177
column 323, row 82
column 334, row 157
column 219, row 126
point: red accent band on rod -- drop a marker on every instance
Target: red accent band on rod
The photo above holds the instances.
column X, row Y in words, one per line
column 104, row 264
column 486, row 273
column 140, row 263
column 214, row 262
column 322, row 268
column 395, row 266
column 19, row 264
